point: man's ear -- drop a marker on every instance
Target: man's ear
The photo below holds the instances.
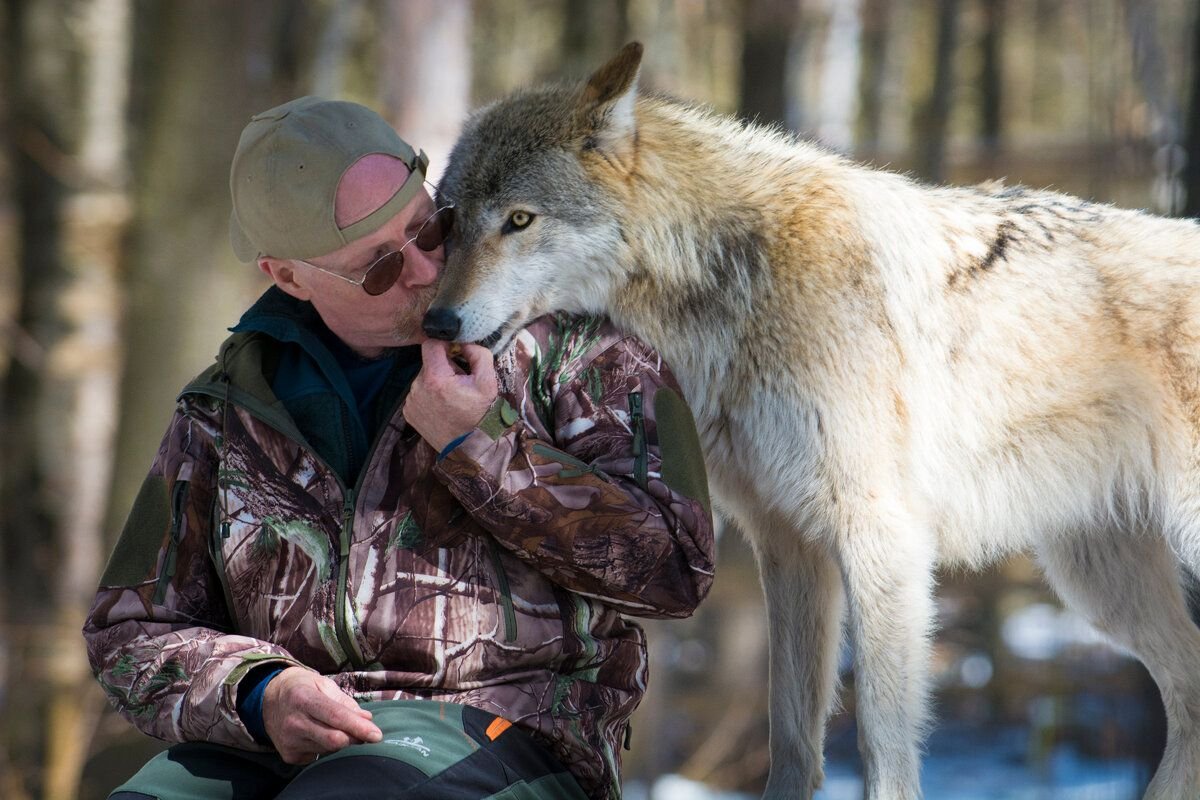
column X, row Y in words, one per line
column 283, row 275
column 607, row 108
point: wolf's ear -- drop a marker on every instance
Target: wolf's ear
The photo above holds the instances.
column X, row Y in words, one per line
column 606, row 108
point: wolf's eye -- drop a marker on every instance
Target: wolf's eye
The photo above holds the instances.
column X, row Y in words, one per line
column 519, row 219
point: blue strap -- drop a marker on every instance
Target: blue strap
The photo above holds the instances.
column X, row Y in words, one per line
column 446, row 450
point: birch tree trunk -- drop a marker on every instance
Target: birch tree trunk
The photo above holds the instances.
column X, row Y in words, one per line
column 70, row 169
column 1154, row 80
column 425, row 80
column 838, row 98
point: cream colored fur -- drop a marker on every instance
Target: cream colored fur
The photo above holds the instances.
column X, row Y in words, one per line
column 886, row 377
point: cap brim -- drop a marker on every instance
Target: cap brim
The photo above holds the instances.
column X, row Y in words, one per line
column 243, row 248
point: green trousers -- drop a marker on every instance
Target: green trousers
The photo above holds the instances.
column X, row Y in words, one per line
column 430, row 751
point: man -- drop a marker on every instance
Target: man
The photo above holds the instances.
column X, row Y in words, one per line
column 360, row 567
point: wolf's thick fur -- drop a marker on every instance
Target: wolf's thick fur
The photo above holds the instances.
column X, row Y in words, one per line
column 885, row 376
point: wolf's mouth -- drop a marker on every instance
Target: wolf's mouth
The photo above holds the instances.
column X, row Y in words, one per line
column 509, row 326
column 491, row 338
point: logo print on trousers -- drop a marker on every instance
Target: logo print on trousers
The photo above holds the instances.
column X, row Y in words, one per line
column 413, row 742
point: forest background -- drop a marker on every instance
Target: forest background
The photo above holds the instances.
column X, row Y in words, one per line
column 117, row 122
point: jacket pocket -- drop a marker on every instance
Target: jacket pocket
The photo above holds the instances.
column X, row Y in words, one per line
column 574, row 467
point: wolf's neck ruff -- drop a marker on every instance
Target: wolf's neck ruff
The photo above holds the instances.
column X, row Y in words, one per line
column 712, row 238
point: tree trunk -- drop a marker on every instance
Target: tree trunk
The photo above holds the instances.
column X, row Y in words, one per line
column 934, row 120
column 837, row 105
column 767, row 28
column 1153, row 78
column 70, row 173
column 329, row 66
column 876, row 39
column 591, row 34
column 425, row 80
column 1053, row 95
column 991, row 79
column 1191, row 174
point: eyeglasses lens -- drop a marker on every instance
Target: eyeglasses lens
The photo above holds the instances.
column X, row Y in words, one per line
column 383, row 273
column 435, row 230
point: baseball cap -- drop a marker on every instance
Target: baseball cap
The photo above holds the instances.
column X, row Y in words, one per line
column 285, row 174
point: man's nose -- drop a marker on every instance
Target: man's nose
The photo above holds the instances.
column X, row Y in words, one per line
column 422, row 267
column 441, row 323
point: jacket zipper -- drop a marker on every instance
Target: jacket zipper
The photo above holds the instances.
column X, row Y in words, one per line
column 178, row 505
column 510, row 613
column 637, row 421
column 341, row 625
column 344, row 636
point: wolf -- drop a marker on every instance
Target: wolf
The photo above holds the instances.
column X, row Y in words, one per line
column 886, row 376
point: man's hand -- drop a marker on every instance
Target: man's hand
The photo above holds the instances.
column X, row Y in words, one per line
column 307, row 715
column 445, row 402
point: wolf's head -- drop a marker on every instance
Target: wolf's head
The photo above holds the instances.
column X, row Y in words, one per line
column 535, row 180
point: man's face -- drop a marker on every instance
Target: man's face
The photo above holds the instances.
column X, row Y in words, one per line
column 369, row 324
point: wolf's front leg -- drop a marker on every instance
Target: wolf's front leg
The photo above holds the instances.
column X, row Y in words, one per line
column 803, row 590
column 887, row 565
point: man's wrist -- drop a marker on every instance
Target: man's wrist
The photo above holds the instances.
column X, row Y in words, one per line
column 252, row 691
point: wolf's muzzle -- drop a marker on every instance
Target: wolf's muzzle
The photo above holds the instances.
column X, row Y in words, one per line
column 441, row 323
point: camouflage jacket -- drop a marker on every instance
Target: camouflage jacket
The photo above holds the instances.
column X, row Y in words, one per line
column 498, row 576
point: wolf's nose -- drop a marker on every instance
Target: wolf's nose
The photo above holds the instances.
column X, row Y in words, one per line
column 441, row 323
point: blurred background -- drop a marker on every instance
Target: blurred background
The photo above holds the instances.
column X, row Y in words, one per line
column 117, row 121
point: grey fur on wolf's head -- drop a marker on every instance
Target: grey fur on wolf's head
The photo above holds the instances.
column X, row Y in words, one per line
column 500, row 138
column 516, row 150
column 521, row 155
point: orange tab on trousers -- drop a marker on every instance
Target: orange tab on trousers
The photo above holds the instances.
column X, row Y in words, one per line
column 499, row 725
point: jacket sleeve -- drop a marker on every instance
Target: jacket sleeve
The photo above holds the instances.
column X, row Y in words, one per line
column 615, row 505
column 159, row 634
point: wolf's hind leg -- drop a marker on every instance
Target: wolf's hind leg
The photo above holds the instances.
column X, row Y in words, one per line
column 1127, row 585
column 803, row 591
column 887, row 561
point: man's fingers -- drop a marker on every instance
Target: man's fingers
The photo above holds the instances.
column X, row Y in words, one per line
column 435, row 358
column 312, row 738
column 331, row 690
column 328, row 740
column 479, row 358
column 331, row 713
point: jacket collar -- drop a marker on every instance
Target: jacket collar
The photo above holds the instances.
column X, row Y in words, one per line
column 246, row 364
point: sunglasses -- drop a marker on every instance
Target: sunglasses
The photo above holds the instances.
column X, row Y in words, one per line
column 384, row 271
